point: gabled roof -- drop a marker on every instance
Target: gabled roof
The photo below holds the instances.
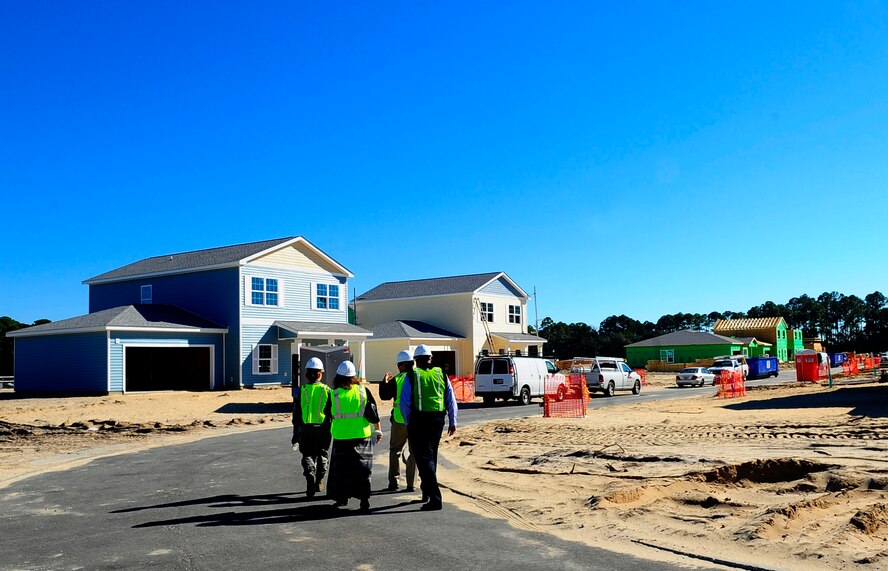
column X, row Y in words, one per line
column 749, row 340
column 748, row 324
column 140, row 316
column 411, row 330
column 686, row 337
column 211, row 258
column 435, row 286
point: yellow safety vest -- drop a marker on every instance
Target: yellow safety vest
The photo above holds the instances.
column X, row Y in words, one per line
column 396, row 411
column 312, row 399
column 429, row 387
column 348, row 414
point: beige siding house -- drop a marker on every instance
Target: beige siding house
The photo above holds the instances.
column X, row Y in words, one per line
column 459, row 317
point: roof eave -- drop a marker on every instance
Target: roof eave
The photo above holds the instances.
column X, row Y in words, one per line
column 94, row 281
column 292, row 241
column 508, row 279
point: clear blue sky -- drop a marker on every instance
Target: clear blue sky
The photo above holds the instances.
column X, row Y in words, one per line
column 637, row 158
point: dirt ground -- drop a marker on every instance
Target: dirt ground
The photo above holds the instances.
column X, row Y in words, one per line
column 789, row 477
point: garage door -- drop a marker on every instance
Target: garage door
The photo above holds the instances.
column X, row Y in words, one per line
column 167, row 369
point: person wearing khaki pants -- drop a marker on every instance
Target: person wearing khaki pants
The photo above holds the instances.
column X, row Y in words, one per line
column 391, row 389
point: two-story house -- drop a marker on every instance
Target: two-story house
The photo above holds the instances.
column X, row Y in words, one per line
column 785, row 342
column 229, row 317
column 459, row 317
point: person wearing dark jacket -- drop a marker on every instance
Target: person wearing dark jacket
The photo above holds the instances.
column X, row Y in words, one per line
column 311, row 426
column 424, row 403
column 391, row 389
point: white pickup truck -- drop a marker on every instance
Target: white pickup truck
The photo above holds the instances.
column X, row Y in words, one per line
column 731, row 364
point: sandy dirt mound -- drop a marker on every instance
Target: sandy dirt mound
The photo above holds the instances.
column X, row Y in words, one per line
column 786, row 478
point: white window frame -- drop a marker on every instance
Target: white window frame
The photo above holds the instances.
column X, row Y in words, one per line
column 248, row 291
column 515, row 314
column 669, row 355
column 315, row 296
column 257, row 359
column 146, row 298
column 486, row 309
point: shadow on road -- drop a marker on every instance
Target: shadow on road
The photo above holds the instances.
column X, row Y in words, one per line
column 256, row 408
column 863, row 401
column 301, row 508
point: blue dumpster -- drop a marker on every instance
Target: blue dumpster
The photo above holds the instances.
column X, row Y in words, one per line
column 761, row 367
column 836, row 359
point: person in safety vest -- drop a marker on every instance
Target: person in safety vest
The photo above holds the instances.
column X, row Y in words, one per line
column 355, row 430
column 311, row 425
column 424, row 402
column 391, row 389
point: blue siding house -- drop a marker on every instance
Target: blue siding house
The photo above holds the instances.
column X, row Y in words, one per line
column 228, row 317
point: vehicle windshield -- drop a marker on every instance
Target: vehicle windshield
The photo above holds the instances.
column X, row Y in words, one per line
column 722, row 364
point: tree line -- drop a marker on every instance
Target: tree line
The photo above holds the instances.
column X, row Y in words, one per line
column 845, row 323
column 6, row 344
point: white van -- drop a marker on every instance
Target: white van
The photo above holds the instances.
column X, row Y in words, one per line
column 506, row 377
column 610, row 374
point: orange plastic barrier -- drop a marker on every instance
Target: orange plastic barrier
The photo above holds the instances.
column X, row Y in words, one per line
column 643, row 374
column 566, row 396
column 463, row 388
column 731, row 385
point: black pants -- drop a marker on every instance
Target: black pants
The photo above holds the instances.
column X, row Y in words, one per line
column 424, row 435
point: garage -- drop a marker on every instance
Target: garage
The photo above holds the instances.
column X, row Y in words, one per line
column 168, row 368
column 444, row 359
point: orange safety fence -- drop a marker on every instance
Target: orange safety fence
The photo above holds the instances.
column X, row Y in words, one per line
column 566, row 396
column 850, row 367
column 463, row 388
column 731, row 385
column 643, row 374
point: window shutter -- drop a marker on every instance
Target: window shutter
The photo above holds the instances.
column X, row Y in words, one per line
column 281, row 300
column 274, row 359
column 313, row 298
column 255, row 359
column 248, row 291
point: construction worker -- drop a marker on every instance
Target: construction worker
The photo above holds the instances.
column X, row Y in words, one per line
column 391, row 389
column 311, row 425
column 354, row 418
column 424, row 402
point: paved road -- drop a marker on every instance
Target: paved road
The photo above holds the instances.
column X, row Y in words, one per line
column 235, row 502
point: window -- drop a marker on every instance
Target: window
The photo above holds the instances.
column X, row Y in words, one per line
column 146, row 293
column 485, row 366
column 667, row 355
column 487, row 312
column 265, row 360
column 625, row 368
column 500, row 367
column 514, row 314
column 264, row 291
column 326, row 296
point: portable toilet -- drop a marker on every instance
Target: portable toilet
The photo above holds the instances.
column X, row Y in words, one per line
column 810, row 365
column 330, row 355
column 761, row 367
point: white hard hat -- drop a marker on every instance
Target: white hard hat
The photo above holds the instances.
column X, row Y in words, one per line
column 405, row 357
column 315, row 363
column 422, row 351
column 346, row 369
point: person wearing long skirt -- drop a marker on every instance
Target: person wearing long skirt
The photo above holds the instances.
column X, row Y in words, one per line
column 355, row 431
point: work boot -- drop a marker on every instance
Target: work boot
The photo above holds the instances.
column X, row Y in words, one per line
column 392, row 487
column 410, row 488
column 431, row 506
column 365, row 506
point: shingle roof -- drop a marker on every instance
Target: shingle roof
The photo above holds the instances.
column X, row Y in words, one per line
column 155, row 316
column 747, row 324
column 525, row 337
column 685, row 337
column 211, row 257
column 308, row 327
column 411, row 330
column 426, row 287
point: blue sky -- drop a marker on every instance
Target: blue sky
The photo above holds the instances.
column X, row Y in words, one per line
column 640, row 158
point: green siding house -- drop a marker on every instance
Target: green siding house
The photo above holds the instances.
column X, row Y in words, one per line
column 770, row 329
column 682, row 347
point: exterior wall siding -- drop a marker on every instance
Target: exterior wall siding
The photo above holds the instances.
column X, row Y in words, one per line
column 62, row 363
column 500, row 287
column 296, row 256
column 211, row 294
column 297, row 296
column 252, row 335
column 451, row 312
column 120, row 340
